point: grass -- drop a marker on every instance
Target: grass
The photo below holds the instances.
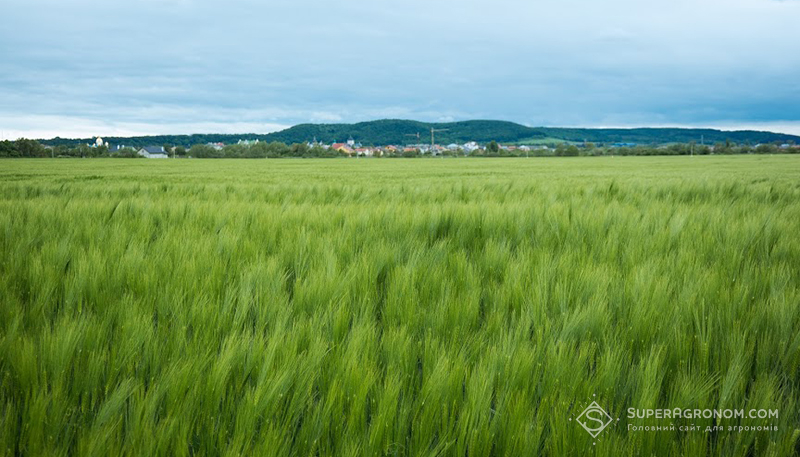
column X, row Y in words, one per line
column 407, row 307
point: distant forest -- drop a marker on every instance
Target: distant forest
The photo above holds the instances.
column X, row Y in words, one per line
column 405, row 132
column 30, row 148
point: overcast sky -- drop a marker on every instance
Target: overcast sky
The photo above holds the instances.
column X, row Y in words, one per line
column 80, row 68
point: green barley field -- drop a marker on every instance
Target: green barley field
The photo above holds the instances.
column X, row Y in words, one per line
column 370, row 307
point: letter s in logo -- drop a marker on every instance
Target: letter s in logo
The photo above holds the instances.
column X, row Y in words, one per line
column 594, row 419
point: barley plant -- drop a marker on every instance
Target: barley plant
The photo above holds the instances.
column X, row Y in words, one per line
column 449, row 307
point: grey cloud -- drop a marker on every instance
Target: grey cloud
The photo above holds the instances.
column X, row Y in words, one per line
column 194, row 62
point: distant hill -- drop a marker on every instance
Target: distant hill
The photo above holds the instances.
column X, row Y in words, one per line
column 396, row 131
column 646, row 136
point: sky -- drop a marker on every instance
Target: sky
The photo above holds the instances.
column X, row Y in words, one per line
column 83, row 68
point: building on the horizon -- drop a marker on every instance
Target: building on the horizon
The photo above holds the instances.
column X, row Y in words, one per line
column 153, row 152
column 343, row 148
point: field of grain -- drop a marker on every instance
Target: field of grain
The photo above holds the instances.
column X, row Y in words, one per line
column 397, row 307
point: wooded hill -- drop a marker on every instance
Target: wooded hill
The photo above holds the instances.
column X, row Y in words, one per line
column 402, row 132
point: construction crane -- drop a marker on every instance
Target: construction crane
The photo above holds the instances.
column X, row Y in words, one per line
column 432, row 131
column 436, row 130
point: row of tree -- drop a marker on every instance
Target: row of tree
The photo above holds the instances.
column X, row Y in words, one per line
column 32, row 148
column 260, row 151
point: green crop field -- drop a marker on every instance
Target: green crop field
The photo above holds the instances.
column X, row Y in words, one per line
column 464, row 307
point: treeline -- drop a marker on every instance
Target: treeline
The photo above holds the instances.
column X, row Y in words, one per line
column 32, row 148
column 262, row 150
column 302, row 150
column 671, row 150
column 137, row 142
column 664, row 136
column 407, row 132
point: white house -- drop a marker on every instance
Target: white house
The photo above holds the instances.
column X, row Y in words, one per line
column 153, row 152
column 471, row 146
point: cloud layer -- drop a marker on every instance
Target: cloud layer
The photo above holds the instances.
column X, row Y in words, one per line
column 90, row 67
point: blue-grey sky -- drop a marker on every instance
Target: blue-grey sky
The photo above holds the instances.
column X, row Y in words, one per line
column 91, row 67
